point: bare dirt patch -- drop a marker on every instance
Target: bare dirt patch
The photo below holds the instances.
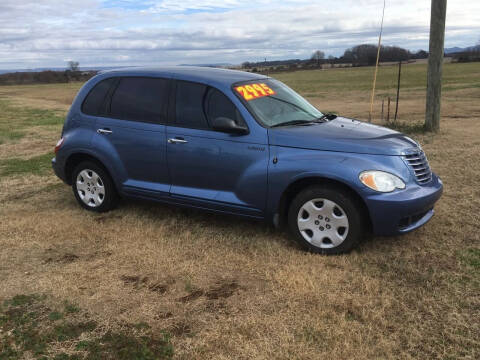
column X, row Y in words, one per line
column 195, row 294
column 66, row 259
column 222, row 290
column 158, row 288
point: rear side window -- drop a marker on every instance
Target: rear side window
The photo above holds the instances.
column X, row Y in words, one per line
column 93, row 103
column 189, row 105
column 140, row 99
column 219, row 105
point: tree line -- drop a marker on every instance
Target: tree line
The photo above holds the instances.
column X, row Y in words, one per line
column 72, row 73
column 469, row 55
column 366, row 55
column 360, row 55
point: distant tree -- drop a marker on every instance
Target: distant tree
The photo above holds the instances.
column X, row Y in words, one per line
column 420, row 54
column 246, row 65
column 394, row 53
column 73, row 71
column 73, row 66
column 331, row 59
column 366, row 54
column 318, row 56
column 361, row 55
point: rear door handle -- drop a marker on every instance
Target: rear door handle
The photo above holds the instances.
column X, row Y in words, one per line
column 177, row 141
column 104, row 131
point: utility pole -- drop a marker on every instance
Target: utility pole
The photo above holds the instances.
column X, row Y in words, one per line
column 435, row 64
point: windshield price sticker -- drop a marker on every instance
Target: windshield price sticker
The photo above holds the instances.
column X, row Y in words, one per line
column 254, row 91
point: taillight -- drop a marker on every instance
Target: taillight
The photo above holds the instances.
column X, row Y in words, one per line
column 59, row 144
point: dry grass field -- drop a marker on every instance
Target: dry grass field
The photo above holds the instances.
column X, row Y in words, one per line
column 148, row 278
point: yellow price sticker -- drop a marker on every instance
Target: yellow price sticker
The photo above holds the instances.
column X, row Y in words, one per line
column 254, row 91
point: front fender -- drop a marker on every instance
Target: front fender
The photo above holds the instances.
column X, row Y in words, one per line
column 290, row 165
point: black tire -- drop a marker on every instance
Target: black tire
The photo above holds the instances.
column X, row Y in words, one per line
column 110, row 196
column 348, row 205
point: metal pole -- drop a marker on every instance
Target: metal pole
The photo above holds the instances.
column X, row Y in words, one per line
column 435, row 64
column 370, row 115
column 388, row 110
column 398, row 89
column 383, row 105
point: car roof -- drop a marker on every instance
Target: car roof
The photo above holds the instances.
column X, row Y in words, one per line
column 208, row 75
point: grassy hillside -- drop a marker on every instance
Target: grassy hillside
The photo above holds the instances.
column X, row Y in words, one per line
column 414, row 77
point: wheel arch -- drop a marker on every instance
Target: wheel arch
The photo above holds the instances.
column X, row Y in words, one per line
column 300, row 184
column 76, row 158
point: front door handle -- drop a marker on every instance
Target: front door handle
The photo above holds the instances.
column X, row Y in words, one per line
column 104, row 131
column 177, row 141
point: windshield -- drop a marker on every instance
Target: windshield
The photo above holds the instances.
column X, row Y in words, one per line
column 274, row 103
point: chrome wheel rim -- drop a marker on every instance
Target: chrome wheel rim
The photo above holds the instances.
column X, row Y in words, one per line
column 323, row 223
column 90, row 188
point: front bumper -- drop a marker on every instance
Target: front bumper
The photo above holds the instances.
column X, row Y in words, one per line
column 402, row 211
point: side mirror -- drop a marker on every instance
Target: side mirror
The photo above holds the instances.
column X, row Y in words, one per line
column 227, row 125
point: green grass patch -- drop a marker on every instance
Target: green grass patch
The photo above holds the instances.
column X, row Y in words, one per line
column 121, row 346
column 68, row 331
column 70, row 308
column 37, row 117
column 15, row 121
column 28, row 327
column 10, row 135
column 188, row 285
column 37, row 165
column 55, row 315
column 471, row 258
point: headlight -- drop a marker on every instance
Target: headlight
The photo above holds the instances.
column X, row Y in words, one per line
column 381, row 181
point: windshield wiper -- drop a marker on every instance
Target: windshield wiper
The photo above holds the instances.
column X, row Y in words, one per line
column 294, row 122
column 325, row 117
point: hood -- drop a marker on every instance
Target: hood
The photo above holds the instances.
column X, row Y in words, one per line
column 344, row 135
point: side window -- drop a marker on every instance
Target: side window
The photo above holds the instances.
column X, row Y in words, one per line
column 189, row 105
column 92, row 105
column 219, row 105
column 140, row 99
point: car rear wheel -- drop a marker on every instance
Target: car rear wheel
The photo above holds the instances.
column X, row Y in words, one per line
column 93, row 188
column 325, row 220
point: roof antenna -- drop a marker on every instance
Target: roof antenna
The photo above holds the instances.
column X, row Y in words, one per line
column 370, row 116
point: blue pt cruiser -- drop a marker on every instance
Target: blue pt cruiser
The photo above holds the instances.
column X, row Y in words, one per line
column 240, row 143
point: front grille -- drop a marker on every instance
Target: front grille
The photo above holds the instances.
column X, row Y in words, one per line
column 418, row 163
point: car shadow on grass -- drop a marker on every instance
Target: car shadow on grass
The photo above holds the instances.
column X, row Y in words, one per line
column 251, row 230
column 248, row 229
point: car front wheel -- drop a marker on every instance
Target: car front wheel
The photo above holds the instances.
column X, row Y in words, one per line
column 326, row 220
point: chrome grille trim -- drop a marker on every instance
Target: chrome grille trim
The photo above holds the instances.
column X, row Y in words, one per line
column 418, row 164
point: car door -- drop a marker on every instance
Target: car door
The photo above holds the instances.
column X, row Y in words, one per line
column 132, row 132
column 209, row 168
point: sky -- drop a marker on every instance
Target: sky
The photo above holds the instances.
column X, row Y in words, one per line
column 49, row 33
